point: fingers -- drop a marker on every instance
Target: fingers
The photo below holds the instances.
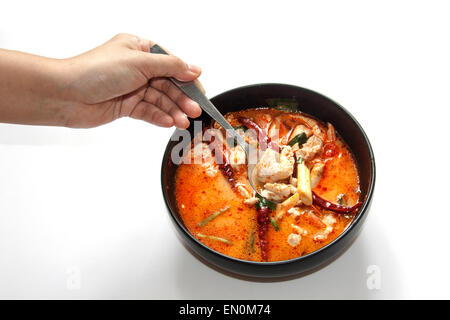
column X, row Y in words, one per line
column 133, row 42
column 135, row 105
column 160, row 65
column 157, row 65
column 163, row 104
column 152, row 114
column 189, row 107
column 166, row 104
column 144, row 44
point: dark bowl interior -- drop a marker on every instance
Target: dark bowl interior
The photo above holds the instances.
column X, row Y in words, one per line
column 312, row 103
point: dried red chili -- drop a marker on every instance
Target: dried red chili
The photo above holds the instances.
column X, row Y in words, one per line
column 263, row 219
column 222, row 162
column 321, row 202
column 264, row 140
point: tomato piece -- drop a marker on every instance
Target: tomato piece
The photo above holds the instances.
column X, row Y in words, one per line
column 330, row 149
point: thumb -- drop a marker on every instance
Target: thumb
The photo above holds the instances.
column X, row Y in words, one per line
column 160, row 65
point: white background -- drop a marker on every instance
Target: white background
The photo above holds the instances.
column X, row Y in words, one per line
column 88, row 203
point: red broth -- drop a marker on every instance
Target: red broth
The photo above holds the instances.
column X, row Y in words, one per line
column 203, row 189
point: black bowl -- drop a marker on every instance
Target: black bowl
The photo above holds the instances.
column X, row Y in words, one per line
column 312, row 103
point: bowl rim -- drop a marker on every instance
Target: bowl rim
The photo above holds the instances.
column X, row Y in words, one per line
column 353, row 224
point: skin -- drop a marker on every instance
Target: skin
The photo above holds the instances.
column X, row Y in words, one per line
column 117, row 79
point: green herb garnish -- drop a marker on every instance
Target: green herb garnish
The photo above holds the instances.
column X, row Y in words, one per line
column 201, row 235
column 341, row 198
column 300, row 160
column 244, row 128
column 283, row 104
column 274, row 223
column 213, row 216
column 300, row 139
column 252, row 243
column 263, row 202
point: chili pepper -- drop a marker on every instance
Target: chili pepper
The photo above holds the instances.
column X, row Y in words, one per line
column 264, row 140
column 263, row 220
column 321, row 202
column 222, row 162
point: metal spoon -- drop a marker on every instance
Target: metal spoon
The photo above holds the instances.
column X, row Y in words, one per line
column 194, row 92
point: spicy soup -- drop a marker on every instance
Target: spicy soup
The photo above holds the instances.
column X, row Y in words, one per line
column 309, row 179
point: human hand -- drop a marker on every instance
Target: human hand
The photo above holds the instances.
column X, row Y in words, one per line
column 121, row 78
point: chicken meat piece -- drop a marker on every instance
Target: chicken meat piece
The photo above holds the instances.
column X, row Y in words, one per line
column 299, row 230
column 269, row 195
column 310, row 148
column 295, row 212
column 279, row 191
column 251, row 201
column 329, row 222
column 236, row 157
column 294, row 239
column 275, row 166
column 243, row 190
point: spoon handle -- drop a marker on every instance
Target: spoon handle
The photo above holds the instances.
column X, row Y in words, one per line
column 194, row 92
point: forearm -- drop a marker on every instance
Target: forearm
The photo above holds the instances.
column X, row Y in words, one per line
column 31, row 89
